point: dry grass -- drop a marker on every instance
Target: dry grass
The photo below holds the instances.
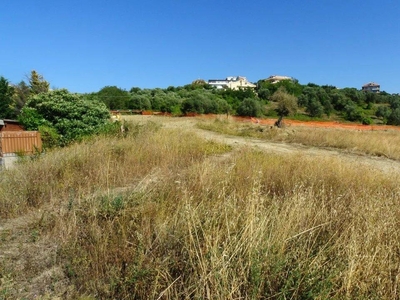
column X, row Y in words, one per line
column 158, row 216
column 378, row 143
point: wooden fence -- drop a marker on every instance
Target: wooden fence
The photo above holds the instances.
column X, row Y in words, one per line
column 22, row 142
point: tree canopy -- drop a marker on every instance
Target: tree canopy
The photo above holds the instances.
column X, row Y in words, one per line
column 283, row 98
column 114, row 97
column 287, row 103
column 37, row 83
column 71, row 115
column 6, row 99
column 21, row 94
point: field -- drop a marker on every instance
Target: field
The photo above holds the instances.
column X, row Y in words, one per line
column 194, row 208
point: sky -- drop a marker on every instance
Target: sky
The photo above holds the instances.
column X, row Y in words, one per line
column 84, row 45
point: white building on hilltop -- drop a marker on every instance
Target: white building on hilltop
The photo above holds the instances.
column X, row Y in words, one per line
column 233, row 82
column 371, row 87
column 277, row 78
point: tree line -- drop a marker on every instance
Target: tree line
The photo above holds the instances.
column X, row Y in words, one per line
column 268, row 99
column 67, row 114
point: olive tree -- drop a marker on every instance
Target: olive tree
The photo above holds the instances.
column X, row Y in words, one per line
column 250, row 107
column 287, row 104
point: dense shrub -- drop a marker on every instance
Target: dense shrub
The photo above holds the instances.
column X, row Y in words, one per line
column 287, row 103
column 71, row 115
column 352, row 112
column 49, row 135
column 383, row 112
column 250, row 107
column 114, row 97
column 315, row 108
column 394, row 117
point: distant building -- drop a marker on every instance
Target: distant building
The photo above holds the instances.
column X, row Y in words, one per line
column 277, row 78
column 371, row 87
column 234, row 83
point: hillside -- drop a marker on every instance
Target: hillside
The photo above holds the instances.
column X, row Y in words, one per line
column 172, row 211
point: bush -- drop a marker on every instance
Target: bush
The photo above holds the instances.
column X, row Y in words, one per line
column 394, row 118
column 383, row 112
column 366, row 120
column 31, row 119
column 250, row 107
column 315, row 108
column 70, row 115
column 352, row 112
column 50, row 136
column 287, row 103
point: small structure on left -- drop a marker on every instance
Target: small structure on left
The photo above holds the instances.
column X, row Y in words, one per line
column 15, row 141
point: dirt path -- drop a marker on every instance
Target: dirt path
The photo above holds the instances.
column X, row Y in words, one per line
column 379, row 163
column 373, row 162
column 28, row 260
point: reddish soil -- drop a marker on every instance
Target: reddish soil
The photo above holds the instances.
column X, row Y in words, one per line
column 321, row 124
column 287, row 122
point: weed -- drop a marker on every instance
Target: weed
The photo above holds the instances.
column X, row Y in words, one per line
column 155, row 215
column 379, row 143
column 34, row 235
column 6, row 285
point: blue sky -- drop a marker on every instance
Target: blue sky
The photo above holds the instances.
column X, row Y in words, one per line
column 86, row 45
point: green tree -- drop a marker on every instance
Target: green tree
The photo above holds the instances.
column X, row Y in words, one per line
column 6, row 99
column 355, row 95
column 197, row 102
column 21, row 94
column 287, row 103
column 352, row 112
column 250, row 107
column 394, row 117
column 71, row 115
column 171, row 103
column 264, row 93
column 114, row 97
column 314, row 108
column 394, row 102
column 328, row 107
column 292, row 86
column 371, row 97
column 316, row 99
column 135, row 90
column 139, row 102
column 222, row 106
column 383, row 112
column 235, row 97
column 37, row 83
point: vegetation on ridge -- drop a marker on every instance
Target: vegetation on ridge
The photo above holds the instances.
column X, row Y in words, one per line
column 313, row 101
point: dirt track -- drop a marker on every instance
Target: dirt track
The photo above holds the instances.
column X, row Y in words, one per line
column 34, row 260
column 373, row 162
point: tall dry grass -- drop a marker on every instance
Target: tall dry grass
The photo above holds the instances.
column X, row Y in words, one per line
column 378, row 143
column 98, row 165
column 157, row 216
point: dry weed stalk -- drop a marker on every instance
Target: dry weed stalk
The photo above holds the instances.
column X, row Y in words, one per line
column 379, row 143
column 154, row 216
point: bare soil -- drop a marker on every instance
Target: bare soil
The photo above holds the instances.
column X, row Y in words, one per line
column 189, row 123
